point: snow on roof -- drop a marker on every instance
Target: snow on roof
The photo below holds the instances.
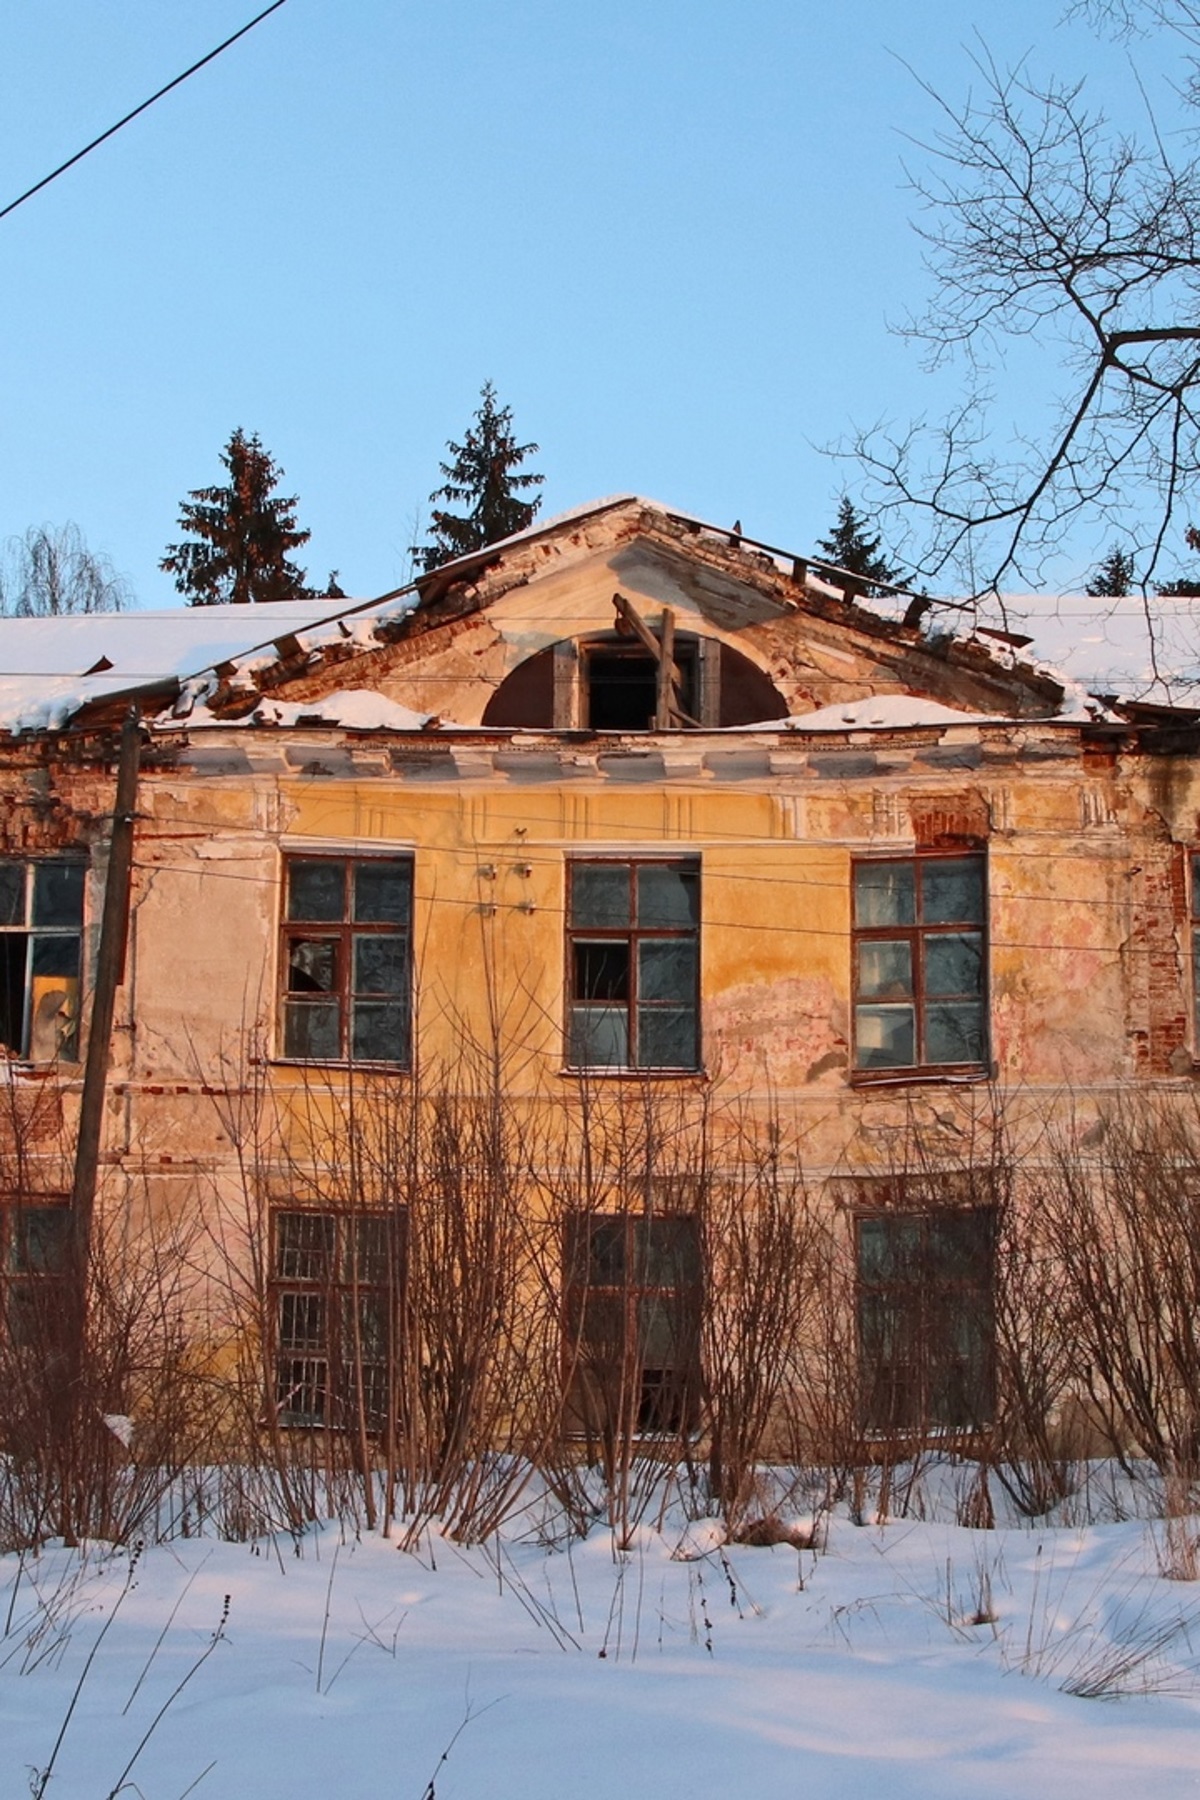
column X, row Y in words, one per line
column 884, row 711
column 49, row 668
column 1140, row 647
column 351, row 709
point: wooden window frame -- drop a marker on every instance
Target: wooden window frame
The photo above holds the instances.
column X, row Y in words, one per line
column 323, row 1380
column 1194, row 929
column 49, row 1001
column 638, row 1010
column 614, row 1388
column 930, row 1314
column 343, row 933
column 34, row 1284
column 919, row 934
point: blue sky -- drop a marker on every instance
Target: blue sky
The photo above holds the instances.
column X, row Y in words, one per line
column 673, row 235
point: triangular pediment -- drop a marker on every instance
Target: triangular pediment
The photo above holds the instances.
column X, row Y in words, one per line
column 507, row 638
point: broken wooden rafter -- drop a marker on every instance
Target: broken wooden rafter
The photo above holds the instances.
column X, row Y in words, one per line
column 669, row 714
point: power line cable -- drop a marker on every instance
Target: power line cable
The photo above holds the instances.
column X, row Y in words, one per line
column 113, row 129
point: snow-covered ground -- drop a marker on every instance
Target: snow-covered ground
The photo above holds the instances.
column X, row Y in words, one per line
column 906, row 1659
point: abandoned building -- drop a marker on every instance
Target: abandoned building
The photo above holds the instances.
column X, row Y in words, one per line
column 635, row 808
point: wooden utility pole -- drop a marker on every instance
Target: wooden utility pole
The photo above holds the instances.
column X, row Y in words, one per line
column 110, row 971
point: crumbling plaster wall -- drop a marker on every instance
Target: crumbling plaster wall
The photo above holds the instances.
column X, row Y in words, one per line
column 1089, row 936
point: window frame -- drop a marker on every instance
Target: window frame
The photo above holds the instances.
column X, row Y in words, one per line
column 1194, row 929
column 918, row 935
column 343, row 932
column 321, row 1368
column 632, row 935
column 669, row 1406
column 615, row 650
column 40, row 1282
column 34, row 933
column 923, row 1308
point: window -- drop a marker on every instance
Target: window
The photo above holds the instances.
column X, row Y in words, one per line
column 632, row 1346
column 621, row 685
column 608, row 686
column 633, row 956
column 35, row 1246
column 336, row 1282
column 41, row 928
column 347, row 959
column 919, row 963
column 925, row 1319
column 1196, row 942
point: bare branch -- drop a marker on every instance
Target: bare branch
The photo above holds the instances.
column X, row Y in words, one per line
column 1042, row 221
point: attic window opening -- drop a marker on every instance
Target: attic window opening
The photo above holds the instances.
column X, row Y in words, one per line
column 621, row 686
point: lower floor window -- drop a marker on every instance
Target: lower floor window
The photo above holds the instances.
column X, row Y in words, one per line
column 632, row 1324
column 925, row 1318
column 35, row 1244
column 336, row 1281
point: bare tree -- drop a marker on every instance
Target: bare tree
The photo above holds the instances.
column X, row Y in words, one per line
column 50, row 570
column 1042, row 220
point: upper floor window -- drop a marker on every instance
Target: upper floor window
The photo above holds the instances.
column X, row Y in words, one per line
column 633, row 955
column 41, row 932
column 1196, row 938
column 919, row 963
column 346, row 959
column 609, row 684
column 925, row 1318
column 621, row 684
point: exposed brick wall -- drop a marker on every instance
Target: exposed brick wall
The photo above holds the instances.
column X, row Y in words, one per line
column 950, row 821
column 1156, row 968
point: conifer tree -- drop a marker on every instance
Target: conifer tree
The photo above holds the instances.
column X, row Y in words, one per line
column 484, row 484
column 850, row 546
column 242, row 537
column 1185, row 587
column 1114, row 577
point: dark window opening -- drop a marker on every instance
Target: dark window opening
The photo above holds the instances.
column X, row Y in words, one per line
column 35, row 1247
column 926, row 1319
column 622, row 687
column 632, row 1323
column 41, row 930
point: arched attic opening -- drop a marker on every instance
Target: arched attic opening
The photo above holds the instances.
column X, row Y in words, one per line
column 605, row 683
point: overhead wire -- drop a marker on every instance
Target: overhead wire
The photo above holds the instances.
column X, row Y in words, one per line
column 130, row 116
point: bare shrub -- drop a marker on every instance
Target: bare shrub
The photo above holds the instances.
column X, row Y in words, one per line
column 1122, row 1222
column 762, row 1261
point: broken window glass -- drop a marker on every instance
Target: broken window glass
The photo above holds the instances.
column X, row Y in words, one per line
column 347, row 959
column 41, row 930
column 632, row 1322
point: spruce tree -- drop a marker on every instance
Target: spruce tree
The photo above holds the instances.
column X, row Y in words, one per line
column 1187, row 587
column 1114, row 577
column 850, row 546
column 484, row 484
column 242, row 537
